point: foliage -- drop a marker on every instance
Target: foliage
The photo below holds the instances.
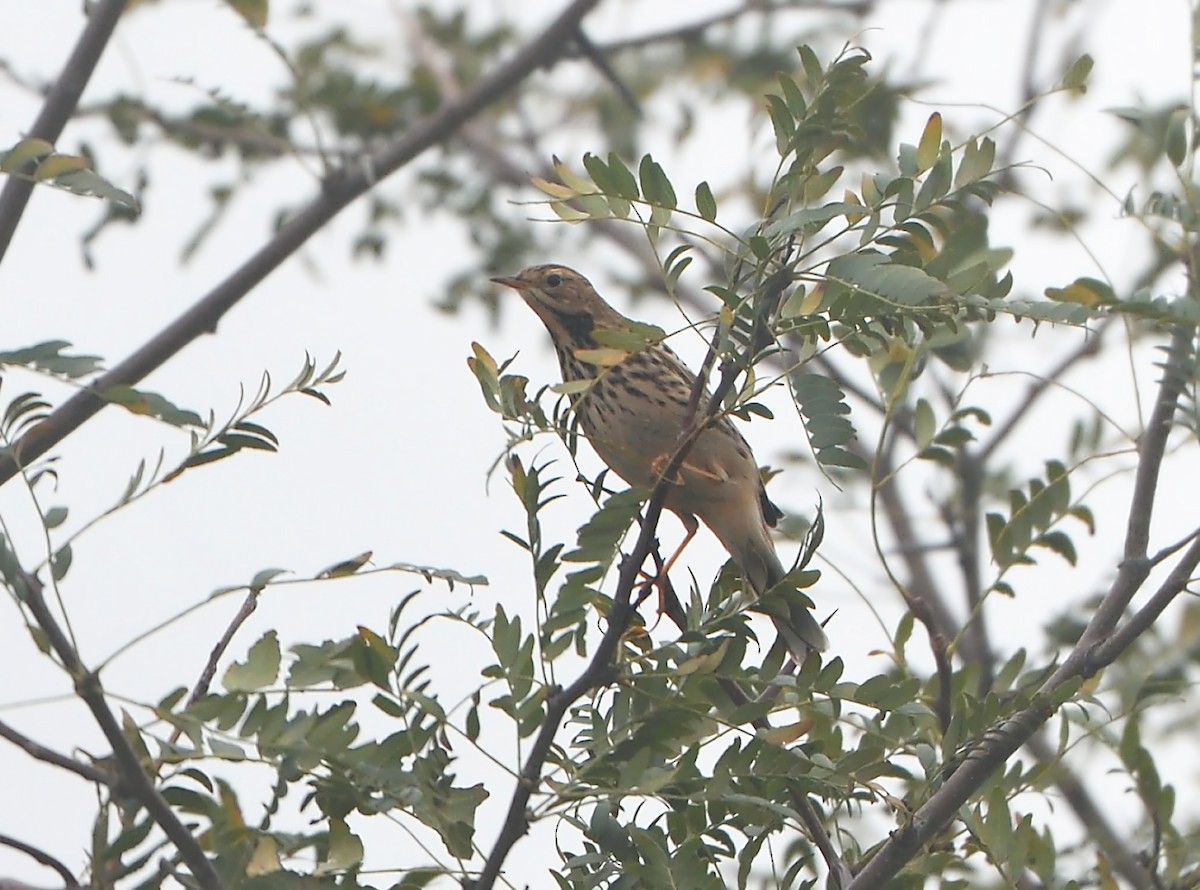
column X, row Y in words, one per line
column 855, row 275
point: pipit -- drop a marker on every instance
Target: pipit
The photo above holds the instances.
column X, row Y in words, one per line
column 634, row 413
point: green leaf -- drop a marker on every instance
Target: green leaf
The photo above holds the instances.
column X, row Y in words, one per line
column 1176, row 142
column 706, row 204
column 347, row 566
column 1085, row 291
column 825, row 412
column 261, row 668
column 924, row 424
column 1075, row 77
column 655, row 185
column 599, row 536
column 61, row 562
column 345, row 849
column 976, row 162
column 263, row 577
column 27, row 151
column 624, row 182
column 429, row 573
column 49, row 357
column 151, row 404
column 226, row 750
column 877, row 275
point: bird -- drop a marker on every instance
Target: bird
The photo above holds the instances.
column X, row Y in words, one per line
column 633, row 412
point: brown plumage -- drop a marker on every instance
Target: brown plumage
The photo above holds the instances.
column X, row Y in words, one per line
column 633, row 414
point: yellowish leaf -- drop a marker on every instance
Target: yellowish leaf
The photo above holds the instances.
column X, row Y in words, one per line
column 812, row 303
column 553, row 189
column 574, row 180
column 783, row 735
column 347, row 566
column 850, row 198
column 931, row 142
column 567, row 213
column 265, row 860
column 58, row 165
column 25, row 151
column 253, row 11
column 603, row 357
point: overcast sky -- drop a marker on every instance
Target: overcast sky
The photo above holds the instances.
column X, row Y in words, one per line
column 397, row 464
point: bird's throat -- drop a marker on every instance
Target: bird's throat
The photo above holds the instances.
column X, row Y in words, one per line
column 578, row 327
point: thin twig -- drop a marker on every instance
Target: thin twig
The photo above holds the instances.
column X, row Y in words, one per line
column 599, row 60
column 40, row 752
column 1088, row 349
column 60, row 103
column 338, row 192
column 43, row 857
column 249, row 604
column 695, row 30
column 134, row 778
column 966, row 532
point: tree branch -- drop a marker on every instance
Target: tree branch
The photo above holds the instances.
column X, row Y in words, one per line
column 134, row 778
column 338, row 191
column 695, row 30
column 1096, row 648
column 38, row 751
column 43, row 857
column 60, row 103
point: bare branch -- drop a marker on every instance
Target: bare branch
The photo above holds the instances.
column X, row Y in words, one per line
column 339, row 191
column 43, row 857
column 249, row 604
column 38, row 751
column 1088, row 349
column 695, row 30
column 60, row 103
column 134, row 778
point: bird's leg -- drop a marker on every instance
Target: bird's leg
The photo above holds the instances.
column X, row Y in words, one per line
column 646, row 579
column 659, row 464
column 690, row 525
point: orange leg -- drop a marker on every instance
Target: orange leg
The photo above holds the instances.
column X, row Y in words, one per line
column 691, row 526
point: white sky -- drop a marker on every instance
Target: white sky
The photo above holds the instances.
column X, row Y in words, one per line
column 397, row 464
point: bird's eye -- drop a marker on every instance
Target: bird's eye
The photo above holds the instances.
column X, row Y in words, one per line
column 553, row 279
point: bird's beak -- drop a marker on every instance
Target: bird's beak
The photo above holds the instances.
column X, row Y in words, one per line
column 514, row 283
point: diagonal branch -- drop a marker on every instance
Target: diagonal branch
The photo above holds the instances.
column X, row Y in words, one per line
column 338, row 191
column 59, row 105
column 38, row 751
column 69, row 880
column 1098, row 646
column 133, row 776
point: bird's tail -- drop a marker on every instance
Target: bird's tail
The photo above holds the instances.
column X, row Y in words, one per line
column 760, row 564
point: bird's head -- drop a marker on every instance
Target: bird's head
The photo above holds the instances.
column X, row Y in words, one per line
column 566, row 303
